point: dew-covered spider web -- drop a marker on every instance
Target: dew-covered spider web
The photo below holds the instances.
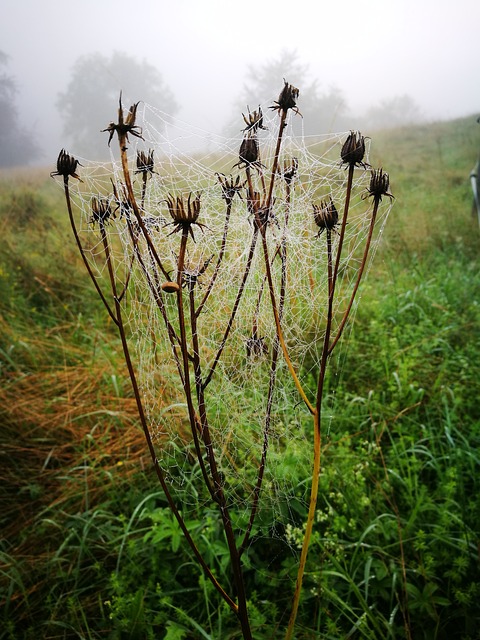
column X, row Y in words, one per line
column 227, row 307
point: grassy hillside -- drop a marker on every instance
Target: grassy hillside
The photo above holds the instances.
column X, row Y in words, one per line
column 395, row 553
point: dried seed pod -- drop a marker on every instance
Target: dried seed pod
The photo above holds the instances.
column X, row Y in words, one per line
column 353, row 149
column 230, row 187
column 379, row 184
column 287, row 98
column 101, row 211
column 249, row 150
column 254, row 121
column 184, row 215
column 66, row 166
column 325, row 216
column 145, row 163
column 124, row 126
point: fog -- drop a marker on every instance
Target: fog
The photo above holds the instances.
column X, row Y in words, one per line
column 371, row 51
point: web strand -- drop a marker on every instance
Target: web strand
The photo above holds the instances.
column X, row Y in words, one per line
column 237, row 390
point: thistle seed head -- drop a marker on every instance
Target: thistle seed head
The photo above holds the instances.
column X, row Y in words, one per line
column 66, row 166
column 353, row 149
column 124, row 126
column 379, row 184
column 249, row 150
column 230, row 187
column 287, row 98
column 184, row 214
column 101, row 211
column 145, row 163
column 254, row 121
column 325, row 216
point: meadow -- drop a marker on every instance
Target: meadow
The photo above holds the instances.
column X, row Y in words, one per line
column 89, row 548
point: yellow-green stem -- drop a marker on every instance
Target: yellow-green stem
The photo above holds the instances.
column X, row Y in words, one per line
column 317, row 447
column 317, row 442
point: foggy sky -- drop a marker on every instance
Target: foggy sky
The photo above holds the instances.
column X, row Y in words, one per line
column 369, row 49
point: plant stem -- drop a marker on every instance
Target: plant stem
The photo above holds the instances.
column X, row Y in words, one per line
column 219, row 259
column 281, row 339
column 240, row 608
column 317, row 423
column 317, row 448
column 122, row 140
column 272, row 380
column 359, row 276
column 351, row 169
column 235, row 307
column 192, row 415
column 217, row 490
column 82, row 252
column 146, row 430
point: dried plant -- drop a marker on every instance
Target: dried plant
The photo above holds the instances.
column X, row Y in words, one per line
column 181, row 295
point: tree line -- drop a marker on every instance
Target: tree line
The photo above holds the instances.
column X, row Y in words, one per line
column 85, row 106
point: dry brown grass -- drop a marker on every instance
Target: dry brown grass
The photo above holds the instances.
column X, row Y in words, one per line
column 62, row 431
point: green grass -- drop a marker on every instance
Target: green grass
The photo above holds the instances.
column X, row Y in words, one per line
column 89, row 548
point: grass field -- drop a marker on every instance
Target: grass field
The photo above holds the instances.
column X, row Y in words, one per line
column 89, row 548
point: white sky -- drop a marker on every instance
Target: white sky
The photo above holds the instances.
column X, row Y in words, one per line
column 369, row 49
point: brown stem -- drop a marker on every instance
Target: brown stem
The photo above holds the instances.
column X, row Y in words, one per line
column 359, row 276
column 351, row 169
column 122, row 140
column 193, row 418
column 272, row 381
column 239, row 609
column 146, row 430
column 82, row 252
column 283, row 117
column 157, row 296
column 144, row 189
column 219, row 260
column 218, row 495
column 278, row 326
column 235, row 307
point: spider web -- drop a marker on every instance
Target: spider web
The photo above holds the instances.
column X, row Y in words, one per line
column 237, row 392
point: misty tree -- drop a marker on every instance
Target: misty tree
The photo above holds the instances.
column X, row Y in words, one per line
column 322, row 111
column 17, row 146
column 90, row 101
column 393, row 112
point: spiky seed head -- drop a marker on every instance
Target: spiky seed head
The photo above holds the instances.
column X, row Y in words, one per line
column 249, row 150
column 254, row 121
column 379, row 184
column 145, row 162
column 287, row 98
column 184, row 214
column 353, row 149
column 230, row 187
column 325, row 216
column 181, row 212
column 66, row 166
column 124, row 126
column 101, row 211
